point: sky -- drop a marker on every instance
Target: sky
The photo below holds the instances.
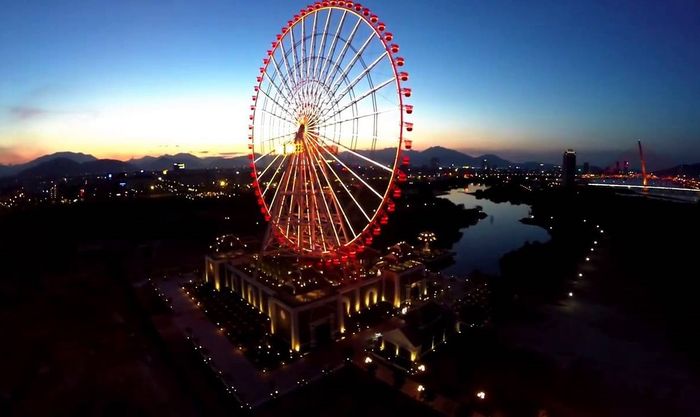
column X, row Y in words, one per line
column 525, row 80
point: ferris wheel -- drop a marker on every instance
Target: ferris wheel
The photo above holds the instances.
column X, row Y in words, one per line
column 326, row 132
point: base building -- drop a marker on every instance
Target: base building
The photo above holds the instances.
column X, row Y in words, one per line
column 307, row 306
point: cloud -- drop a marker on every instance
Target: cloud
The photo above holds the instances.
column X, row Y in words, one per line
column 27, row 112
column 11, row 155
column 24, row 112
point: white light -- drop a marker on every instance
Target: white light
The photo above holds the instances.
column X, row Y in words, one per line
column 571, row 294
column 481, row 395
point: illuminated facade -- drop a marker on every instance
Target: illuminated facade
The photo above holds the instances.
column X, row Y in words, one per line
column 316, row 310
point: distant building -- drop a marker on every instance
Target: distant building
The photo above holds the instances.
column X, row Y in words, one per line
column 568, row 168
column 178, row 166
column 586, row 168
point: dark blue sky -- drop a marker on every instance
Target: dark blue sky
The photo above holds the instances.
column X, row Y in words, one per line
column 523, row 79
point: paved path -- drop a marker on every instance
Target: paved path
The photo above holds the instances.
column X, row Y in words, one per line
column 254, row 387
column 224, row 356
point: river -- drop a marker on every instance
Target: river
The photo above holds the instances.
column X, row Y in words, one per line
column 482, row 245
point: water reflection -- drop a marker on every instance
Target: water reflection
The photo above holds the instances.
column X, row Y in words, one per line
column 483, row 244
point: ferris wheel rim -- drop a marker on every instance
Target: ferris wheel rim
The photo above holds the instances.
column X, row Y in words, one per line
column 378, row 31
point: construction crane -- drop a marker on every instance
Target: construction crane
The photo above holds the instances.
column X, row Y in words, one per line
column 644, row 165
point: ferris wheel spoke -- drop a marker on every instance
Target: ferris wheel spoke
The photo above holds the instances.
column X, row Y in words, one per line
column 359, row 155
column 358, row 99
column 291, row 197
column 275, row 101
column 280, row 92
column 316, row 205
column 277, row 188
column 357, row 203
column 312, row 46
column 343, row 51
column 349, row 119
column 290, row 74
column 268, row 167
column 284, row 79
column 319, row 158
column 274, row 175
column 263, row 155
column 291, row 133
column 303, row 47
column 352, row 62
column 356, row 175
column 334, row 43
column 287, row 175
column 277, row 116
column 323, row 42
column 359, row 77
column 331, row 220
column 295, row 57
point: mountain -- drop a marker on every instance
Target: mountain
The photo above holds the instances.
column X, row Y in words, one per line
column 437, row 154
column 78, row 157
column 691, row 170
column 6, row 170
column 65, row 167
column 151, row 163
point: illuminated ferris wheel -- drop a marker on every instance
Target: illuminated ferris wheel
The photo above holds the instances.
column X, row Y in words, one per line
column 327, row 127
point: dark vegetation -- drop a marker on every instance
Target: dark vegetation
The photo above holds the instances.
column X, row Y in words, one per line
column 79, row 340
column 420, row 211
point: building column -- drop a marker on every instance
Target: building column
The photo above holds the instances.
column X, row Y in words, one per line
column 341, row 315
column 272, row 315
column 296, row 345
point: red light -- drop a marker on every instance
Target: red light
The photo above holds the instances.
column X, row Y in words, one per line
column 397, row 192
